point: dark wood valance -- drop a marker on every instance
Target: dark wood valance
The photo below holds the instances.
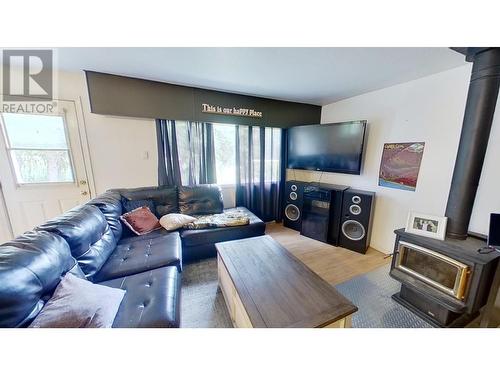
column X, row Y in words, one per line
column 132, row 97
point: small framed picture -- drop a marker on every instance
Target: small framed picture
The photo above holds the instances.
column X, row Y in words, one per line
column 426, row 225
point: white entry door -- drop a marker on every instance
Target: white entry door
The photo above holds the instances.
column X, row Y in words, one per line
column 42, row 167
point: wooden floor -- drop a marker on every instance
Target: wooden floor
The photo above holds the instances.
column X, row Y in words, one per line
column 334, row 264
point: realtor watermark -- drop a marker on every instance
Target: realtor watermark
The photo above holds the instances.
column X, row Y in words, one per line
column 27, row 81
column 28, row 107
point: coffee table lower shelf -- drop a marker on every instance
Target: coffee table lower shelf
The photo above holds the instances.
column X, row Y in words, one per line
column 237, row 312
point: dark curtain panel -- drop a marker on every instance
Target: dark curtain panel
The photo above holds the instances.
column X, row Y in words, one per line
column 168, row 158
column 201, row 169
column 284, row 135
column 259, row 170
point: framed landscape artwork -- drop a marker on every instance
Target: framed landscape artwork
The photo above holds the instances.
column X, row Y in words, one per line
column 400, row 165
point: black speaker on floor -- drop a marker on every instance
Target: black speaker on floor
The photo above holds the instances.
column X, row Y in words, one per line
column 356, row 221
column 294, row 201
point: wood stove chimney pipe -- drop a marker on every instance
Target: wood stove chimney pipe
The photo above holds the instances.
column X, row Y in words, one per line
column 479, row 110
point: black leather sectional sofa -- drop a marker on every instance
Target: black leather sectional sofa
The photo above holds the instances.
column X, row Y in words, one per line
column 89, row 241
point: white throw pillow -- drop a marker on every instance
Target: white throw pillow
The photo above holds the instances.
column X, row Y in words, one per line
column 175, row 221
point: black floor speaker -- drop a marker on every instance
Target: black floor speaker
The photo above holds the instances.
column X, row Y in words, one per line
column 294, row 201
column 356, row 221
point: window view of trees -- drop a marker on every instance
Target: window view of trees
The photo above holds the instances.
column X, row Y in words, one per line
column 38, row 148
column 183, row 149
column 272, row 154
column 225, row 153
column 250, row 147
column 36, row 166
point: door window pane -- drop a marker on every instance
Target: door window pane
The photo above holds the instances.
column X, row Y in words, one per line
column 39, row 166
column 38, row 148
column 35, row 131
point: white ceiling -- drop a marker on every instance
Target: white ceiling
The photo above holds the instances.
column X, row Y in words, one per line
column 308, row 75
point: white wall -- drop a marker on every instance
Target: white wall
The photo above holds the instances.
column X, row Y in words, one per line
column 5, row 229
column 123, row 150
column 488, row 193
column 431, row 110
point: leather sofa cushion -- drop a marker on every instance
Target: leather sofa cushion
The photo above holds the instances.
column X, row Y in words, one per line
column 132, row 257
column 133, row 237
column 200, row 200
column 129, row 205
column 152, row 299
column 111, row 206
column 165, row 198
column 88, row 234
column 76, row 270
column 198, row 237
column 31, row 267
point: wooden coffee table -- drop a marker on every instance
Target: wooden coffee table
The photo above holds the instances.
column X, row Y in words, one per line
column 264, row 285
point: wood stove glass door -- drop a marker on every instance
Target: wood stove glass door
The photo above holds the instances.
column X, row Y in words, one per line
column 435, row 269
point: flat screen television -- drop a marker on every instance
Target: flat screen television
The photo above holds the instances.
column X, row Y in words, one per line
column 494, row 235
column 327, row 147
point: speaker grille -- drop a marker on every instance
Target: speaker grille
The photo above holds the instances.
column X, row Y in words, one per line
column 292, row 212
column 353, row 230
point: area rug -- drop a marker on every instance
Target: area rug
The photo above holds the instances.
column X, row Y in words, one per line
column 203, row 305
column 372, row 292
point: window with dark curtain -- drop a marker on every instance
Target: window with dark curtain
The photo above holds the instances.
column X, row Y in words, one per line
column 259, row 173
column 196, row 149
column 247, row 157
column 168, row 159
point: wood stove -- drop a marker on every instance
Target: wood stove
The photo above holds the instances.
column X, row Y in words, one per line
column 444, row 282
column 447, row 282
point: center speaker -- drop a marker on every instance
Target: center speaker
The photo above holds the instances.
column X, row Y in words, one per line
column 356, row 221
column 294, row 201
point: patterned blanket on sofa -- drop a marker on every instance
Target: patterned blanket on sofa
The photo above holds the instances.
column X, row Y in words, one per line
column 232, row 218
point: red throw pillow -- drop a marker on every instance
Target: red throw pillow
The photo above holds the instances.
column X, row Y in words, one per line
column 141, row 220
